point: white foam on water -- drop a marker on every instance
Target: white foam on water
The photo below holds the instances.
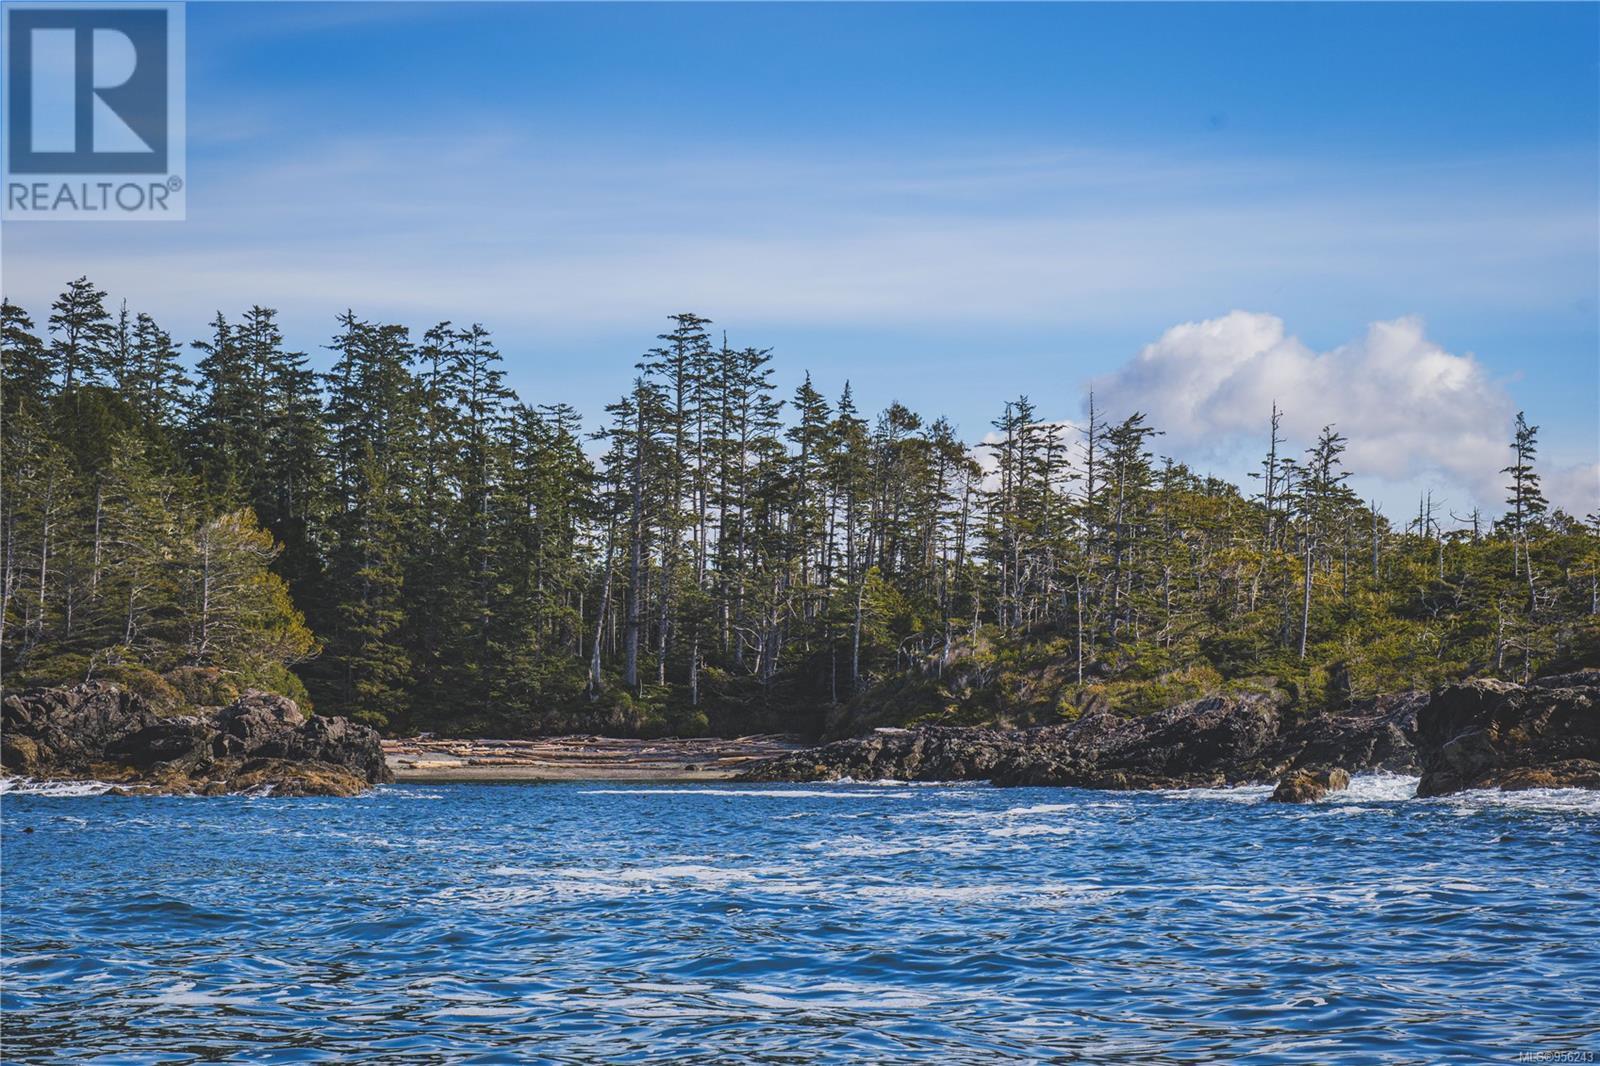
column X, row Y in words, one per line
column 677, row 988
column 937, row 893
column 26, row 786
column 1464, row 886
column 945, row 814
column 1385, row 787
column 769, row 1000
column 562, row 882
column 1549, row 800
column 18, row 960
column 477, row 1010
column 1379, row 787
column 1032, row 831
column 859, row 847
column 404, row 792
column 1058, row 894
column 1233, row 794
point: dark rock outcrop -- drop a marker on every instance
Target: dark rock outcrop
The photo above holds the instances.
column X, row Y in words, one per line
column 1474, row 734
column 1218, row 740
column 99, row 730
column 67, row 727
column 1494, row 734
column 1308, row 786
column 931, row 753
column 1371, row 734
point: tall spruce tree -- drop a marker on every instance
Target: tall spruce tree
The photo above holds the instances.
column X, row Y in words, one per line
column 80, row 332
column 26, row 366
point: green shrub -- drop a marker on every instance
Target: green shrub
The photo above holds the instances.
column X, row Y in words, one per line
column 275, row 677
column 158, row 694
column 203, row 686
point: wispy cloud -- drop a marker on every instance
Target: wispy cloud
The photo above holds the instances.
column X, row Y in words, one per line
column 490, row 225
column 569, row 240
column 1575, row 488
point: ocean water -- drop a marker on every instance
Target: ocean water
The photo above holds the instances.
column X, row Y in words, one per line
column 598, row 923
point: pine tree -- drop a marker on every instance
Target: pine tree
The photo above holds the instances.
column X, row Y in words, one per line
column 1526, row 498
column 26, row 366
column 373, row 414
column 1322, row 495
column 157, row 384
column 1129, row 477
column 679, row 366
column 292, row 491
column 809, row 506
column 535, row 636
column 479, row 395
column 80, row 329
column 36, row 489
column 226, row 437
column 636, row 421
column 850, row 479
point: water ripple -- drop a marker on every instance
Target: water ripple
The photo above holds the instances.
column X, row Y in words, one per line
column 851, row 922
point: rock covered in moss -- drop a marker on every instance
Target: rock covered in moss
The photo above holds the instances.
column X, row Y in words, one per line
column 259, row 742
column 1217, row 740
column 1308, row 786
column 1475, row 734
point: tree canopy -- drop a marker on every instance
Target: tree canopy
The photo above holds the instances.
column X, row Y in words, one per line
column 404, row 539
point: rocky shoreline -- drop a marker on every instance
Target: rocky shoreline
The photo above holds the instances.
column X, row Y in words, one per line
column 259, row 743
column 1473, row 734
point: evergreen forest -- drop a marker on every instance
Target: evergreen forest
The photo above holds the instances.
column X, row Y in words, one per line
column 402, row 539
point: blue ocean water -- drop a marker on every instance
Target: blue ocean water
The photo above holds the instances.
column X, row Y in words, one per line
column 591, row 923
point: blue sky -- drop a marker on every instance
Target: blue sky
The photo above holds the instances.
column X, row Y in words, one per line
column 947, row 204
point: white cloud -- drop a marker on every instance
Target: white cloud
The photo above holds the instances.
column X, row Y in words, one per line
column 1575, row 489
column 1410, row 409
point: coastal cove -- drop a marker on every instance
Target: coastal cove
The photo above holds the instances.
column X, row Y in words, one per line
column 1470, row 735
column 802, row 534
column 881, row 922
